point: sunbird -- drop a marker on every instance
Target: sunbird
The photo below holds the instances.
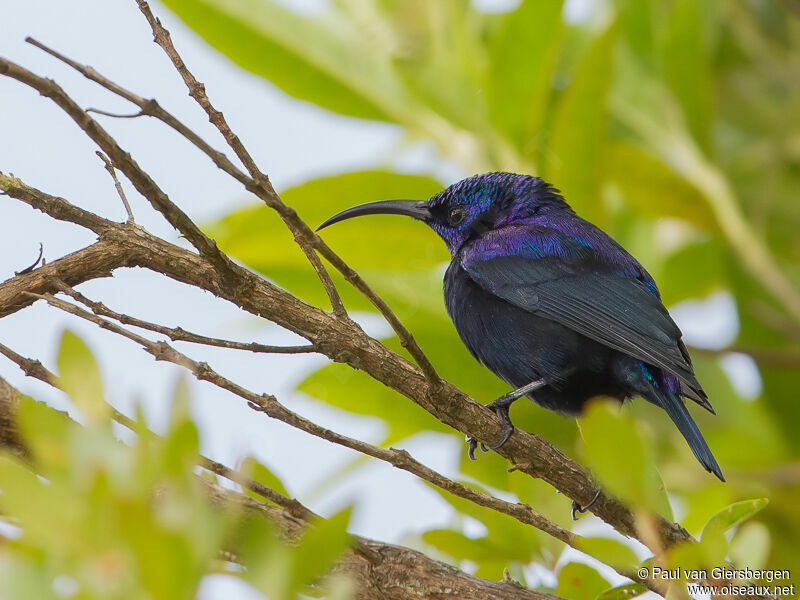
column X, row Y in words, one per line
column 551, row 304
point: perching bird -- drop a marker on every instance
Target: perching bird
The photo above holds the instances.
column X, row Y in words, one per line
column 551, row 304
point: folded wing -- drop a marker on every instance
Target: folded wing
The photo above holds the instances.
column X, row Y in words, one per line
column 574, row 288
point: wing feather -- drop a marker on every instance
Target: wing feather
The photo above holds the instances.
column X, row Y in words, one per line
column 616, row 310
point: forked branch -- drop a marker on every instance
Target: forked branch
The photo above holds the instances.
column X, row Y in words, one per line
column 337, row 337
column 381, row 571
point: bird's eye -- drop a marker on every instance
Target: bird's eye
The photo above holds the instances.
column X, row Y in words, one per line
column 456, row 215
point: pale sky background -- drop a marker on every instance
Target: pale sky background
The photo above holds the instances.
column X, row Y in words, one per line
column 292, row 141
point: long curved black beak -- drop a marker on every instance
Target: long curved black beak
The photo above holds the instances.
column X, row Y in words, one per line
column 410, row 208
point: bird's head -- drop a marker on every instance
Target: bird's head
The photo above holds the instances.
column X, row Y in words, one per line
column 470, row 207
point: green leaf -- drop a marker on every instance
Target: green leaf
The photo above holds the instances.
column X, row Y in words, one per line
column 354, row 391
column 574, row 163
column 733, row 515
column 690, row 556
column 320, row 547
column 686, row 62
column 609, row 551
column 181, row 448
column 577, row 581
column 182, row 443
column 522, row 66
column 652, row 189
column 460, row 547
column 179, row 412
column 256, row 470
column 48, row 512
column 80, row 378
column 314, row 59
column 446, row 47
column 376, row 242
column 611, row 440
column 45, row 430
column 267, row 560
column 625, row 591
column 340, row 586
column 694, row 271
column 637, row 21
column 751, row 545
column 23, row 576
column 375, row 246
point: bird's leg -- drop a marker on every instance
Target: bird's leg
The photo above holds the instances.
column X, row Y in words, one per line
column 500, row 408
column 582, row 509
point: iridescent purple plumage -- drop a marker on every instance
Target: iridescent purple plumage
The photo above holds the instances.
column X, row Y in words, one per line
column 538, row 294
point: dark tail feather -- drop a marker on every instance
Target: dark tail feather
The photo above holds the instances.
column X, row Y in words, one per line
column 683, row 420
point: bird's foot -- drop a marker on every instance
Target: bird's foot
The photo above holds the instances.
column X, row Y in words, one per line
column 472, row 444
column 582, row 509
column 500, row 408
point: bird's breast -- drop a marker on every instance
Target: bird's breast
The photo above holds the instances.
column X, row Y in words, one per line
column 509, row 341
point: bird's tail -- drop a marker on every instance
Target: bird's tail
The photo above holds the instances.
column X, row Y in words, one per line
column 679, row 414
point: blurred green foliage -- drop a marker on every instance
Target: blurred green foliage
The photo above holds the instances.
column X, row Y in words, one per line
column 98, row 519
column 672, row 124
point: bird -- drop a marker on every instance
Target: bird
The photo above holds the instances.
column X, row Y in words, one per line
column 551, row 304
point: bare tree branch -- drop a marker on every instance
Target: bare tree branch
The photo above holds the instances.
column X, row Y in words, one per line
column 343, row 342
column 381, row 571
column 306, row 238
column 178, row 334
column 92, row 262
column 264, row 191
column 121, row 160
column 335, row 335
column 198, row 92
column 270, row 406
column 117, row 186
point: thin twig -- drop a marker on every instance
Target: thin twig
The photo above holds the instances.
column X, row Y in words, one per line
column 105, row 113
column 117, row 186
column 371, row 563
column 198, row 92
column 53, row 206
column 123, row 161
column 270, row 406
column 149, row 107
column 121, row 245
column 34, row 368
column 261, row 188
column 31, row 368
column 178, row 334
